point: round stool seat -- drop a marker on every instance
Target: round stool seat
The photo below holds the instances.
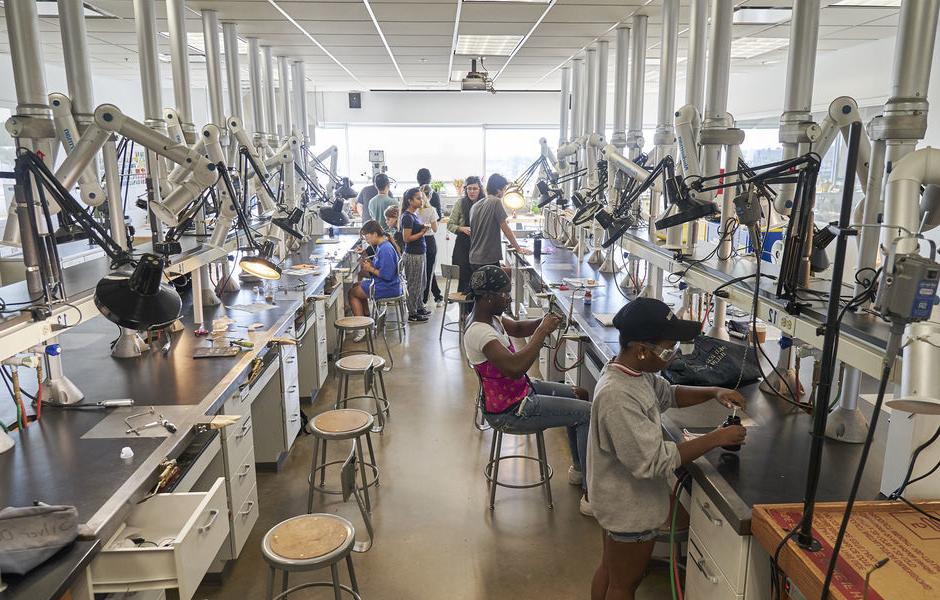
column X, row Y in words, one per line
column 355, row 322
column 357, row 363
column 342, row 420
column 307, row 539
column 457, row 297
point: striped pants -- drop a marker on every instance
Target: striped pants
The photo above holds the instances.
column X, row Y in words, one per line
column 416, row 275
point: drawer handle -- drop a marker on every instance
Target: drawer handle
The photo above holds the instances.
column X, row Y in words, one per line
column 322, row 340
column 292, row 389
column 290, row 359
column 244, row 513
column 245, row 429
column 705, row 506
column 700, row 563
column 247, row 469
column 295, row 418
column 213, row 515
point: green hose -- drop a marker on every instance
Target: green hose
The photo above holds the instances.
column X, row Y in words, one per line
column 672, row 546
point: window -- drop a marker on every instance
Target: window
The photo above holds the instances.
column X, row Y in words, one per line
column 761, row 146
column 449, row 152
column 510, row 152
column 7, row 158
column 335, row 136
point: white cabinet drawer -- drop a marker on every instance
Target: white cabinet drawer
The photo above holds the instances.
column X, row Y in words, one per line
column 722, row 542
column 703, row 580
column 188, row 530
column 239, row 403
column 238, row 437
column 242, row 478
column 244, row 519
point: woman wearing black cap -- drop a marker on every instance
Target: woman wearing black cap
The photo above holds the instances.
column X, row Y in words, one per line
column 512, row 400
column 459, row 225
column 629, row 462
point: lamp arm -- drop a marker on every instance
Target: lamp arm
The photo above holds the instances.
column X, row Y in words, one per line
column 240, row 218
column 69, row 136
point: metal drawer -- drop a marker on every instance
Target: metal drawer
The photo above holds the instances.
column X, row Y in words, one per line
column 244, row 519
column 724, row 544
column 238, row 437
column 242, row 477
column 189, row 529
column 703, row 580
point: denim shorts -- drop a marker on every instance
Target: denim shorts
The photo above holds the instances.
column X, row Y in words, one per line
column 633, row 538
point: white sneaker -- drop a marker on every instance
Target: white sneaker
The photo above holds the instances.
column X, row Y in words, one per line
column 575, row 477
column 440, row 303
column 359, row 336
column 585, row 507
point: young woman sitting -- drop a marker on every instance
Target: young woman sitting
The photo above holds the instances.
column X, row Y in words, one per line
column 380, row 272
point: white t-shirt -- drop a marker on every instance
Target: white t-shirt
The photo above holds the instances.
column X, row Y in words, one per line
column 479, row 335
column 428, row 215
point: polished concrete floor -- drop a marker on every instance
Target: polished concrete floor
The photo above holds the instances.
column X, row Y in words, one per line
column 435, row 535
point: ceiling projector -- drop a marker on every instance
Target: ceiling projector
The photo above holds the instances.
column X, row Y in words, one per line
column 476, row 81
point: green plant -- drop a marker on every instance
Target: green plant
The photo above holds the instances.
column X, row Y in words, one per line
column 437, row 186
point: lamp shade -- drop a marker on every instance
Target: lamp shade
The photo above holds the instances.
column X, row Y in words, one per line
column 513, row 197
column 334, row 214
column 139, row 298
column 345, row 189
column 260, row 265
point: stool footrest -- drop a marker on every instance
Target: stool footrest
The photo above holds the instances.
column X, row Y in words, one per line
column 373, row 481
column 312, row 584
column 488, row 472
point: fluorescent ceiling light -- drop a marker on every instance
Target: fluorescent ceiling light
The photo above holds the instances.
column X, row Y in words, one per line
column 314, row 40
column 487, row 45
column 197, row 43
column 869, row 3
column 50, row 8
column 378, row 29
column 749, row 47
column 762, row 16
column 453, row 40
column 551, row 5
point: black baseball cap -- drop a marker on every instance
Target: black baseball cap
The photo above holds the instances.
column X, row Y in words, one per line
column 651, row 320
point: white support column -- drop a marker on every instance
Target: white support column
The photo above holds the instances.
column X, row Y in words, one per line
column 590, row 90
column 233, row 74
column 600, row 107
column 635, row 140
column 179, row 61
column 283, row 82
column 564, row 106
column 299, row 103
column 270, row 116
column 621, row 78
column 255, row 80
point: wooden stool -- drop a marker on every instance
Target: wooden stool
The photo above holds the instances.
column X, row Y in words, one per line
column 306, row 543
column 341, row 424
column 370, row 366
column 351, row 325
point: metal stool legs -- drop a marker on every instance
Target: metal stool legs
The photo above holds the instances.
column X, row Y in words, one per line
column 491, row 470
column 320, row 463
column 370, row 377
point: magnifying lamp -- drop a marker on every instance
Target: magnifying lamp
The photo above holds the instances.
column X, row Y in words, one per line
column 261, row 265
column 548, row 194
column 613, row 229
column 334, row 214
column 345, row 190
column 139, row 298
column 513, row 197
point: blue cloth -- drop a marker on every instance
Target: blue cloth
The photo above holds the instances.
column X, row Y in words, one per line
column 411, row 222
column 387, row 283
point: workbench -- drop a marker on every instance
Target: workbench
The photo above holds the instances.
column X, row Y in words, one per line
column 72, row 456
column 770, row 468
column 877, row 530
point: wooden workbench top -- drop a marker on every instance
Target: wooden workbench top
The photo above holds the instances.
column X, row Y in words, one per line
column 877, row 530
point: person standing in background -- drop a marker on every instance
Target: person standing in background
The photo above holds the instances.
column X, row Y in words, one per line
column 366, row 194
column 459, row 225
column 487, row 220
column 429, row 216
column 382, row 200
column 434, row 199
column 414, row 261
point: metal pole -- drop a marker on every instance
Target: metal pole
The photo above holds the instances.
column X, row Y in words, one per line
column 621, row 76
column 77, row 65
column 299, row 79
column 233, row 74
column 210, row 31
column 591, row 91
column 695, row 65
column 577, row 67
column 637, row 85
column 565, row 102
column 600, row 110
column 267, row 66
column 179, row 59
column 283, row 77
column 257, row 95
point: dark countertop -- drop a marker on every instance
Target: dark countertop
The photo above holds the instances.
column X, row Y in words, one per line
column 771, row 467
column 52, row 578
column 52, row 462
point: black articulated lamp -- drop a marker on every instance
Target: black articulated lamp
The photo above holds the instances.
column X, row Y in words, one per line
column 138, row 298
column 134, row 295
column 333, row 213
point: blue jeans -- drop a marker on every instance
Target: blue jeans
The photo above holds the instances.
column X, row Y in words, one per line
column 551, row 405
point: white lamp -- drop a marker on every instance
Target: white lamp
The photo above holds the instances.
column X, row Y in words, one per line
column 513, row 197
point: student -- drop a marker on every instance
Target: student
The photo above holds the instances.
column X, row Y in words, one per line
column 381, row 201
column 392, row 213
column 429, row 216
column 629, row 462
column 487, row 220
column 382, row 268
column 434, row 199
column 414, row 261
column 366, row 194
column 512, row 400
column 459, row 225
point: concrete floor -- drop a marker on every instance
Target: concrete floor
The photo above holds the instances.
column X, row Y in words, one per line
column 435, row 535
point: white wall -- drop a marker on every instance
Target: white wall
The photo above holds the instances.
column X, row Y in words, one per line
column 502, row 108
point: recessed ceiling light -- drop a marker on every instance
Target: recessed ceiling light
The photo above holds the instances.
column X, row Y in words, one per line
column 487, row 45
column 869, row 3
column 196, row 42
column 762, row 16
column 749, row 47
